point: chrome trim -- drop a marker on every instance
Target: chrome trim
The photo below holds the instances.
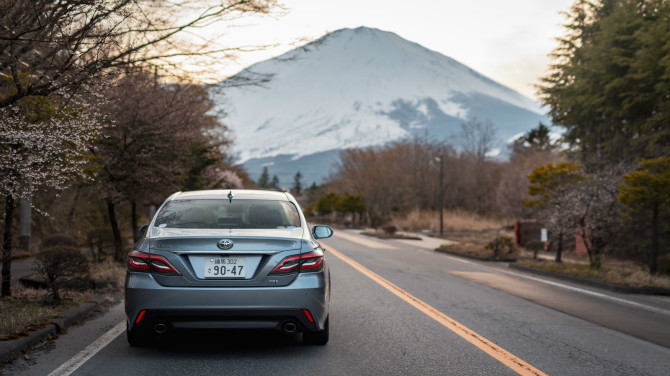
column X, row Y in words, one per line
column 218, row 252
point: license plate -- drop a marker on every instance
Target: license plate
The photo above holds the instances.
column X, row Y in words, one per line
column 225, row 267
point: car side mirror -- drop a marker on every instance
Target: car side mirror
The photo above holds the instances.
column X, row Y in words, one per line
column 322, row 232
column 142, row 230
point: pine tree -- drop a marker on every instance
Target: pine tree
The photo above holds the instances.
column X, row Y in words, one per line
column 274, row 183
column 609, row 84
column 297, row 184
column 647, row 192
column 264, row 179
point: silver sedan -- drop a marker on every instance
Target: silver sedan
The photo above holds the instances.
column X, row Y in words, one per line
column 228, row 259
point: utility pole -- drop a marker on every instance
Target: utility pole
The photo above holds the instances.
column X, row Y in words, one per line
column 24, row 224
column 441, row 160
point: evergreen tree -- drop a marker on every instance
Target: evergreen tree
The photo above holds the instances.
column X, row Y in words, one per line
column 539, row 138
column 274, row 183
column 646, row 191
column 609, row 85
column 264, row 179
column 297, row 184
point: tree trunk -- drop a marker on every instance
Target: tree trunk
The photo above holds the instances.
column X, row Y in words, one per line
column 596, row 260
column 118, row 243
column 7, row 247
column 55, row 293
column 654, row 241
column 133, row 221
column 559, row 250
column 73, row 207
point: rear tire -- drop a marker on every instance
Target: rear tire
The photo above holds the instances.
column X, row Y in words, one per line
column 319, row 338
column 136, row 339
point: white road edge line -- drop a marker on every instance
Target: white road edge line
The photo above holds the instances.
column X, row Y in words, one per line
column 84, row 355
column 589, row 292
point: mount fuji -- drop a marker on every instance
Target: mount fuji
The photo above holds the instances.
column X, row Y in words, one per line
column 357, row 88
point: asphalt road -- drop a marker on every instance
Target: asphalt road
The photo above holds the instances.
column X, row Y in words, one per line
column 554, row 327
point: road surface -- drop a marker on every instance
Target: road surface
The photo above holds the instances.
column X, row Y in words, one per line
column 400, row 309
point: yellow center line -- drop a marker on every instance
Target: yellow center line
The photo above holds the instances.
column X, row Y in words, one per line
column 497, row 352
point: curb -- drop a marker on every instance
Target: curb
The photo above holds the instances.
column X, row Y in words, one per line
column 458, row 254
column 13, row 348
column 593, row 283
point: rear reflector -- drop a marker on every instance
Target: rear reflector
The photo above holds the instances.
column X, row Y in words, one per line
column 139, row 317
column 308, row 315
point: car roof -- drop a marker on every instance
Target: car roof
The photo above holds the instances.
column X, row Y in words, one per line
column 222, row 194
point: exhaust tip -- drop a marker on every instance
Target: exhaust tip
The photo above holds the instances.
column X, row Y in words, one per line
column 289, row 327
column 160, row 328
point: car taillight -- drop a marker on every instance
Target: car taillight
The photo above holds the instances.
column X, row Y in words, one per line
column 307, row 262
column 311, row 262
column 287, row 265
column 138, row 261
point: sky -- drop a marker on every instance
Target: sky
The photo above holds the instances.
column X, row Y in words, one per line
column 507, row 41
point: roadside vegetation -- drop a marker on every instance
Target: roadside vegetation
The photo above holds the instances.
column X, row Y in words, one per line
column 31, row 308
column 603, row 186
column 616, row 272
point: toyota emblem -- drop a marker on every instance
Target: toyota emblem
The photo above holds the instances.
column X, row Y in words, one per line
column 225, row 244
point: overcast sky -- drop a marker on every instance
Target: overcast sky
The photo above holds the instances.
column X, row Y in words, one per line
column 507, row 41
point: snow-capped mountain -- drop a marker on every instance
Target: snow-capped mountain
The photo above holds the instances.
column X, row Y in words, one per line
column 357, row 88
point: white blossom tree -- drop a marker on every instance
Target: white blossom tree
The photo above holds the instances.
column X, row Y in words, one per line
column 42, row 145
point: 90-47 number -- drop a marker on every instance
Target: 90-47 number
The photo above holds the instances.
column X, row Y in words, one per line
column 222, row 270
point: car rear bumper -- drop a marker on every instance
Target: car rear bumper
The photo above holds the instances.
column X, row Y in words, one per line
column 225, row 307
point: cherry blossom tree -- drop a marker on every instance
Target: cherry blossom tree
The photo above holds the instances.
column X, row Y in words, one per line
column 43, row 144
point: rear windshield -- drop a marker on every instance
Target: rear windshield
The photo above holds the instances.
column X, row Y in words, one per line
column 245, row 214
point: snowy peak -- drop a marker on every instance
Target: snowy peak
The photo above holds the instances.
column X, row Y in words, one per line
column 363, row 87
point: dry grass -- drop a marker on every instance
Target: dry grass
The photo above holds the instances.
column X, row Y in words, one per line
column 470, row 232
column 454, row 221
column 109, row 270
column 613, row 271
column 24, row 310
column 469, row 249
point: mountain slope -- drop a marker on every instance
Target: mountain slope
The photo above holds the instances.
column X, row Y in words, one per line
column 356, row 88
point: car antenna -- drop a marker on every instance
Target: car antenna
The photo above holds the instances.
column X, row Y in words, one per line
column 230, row 197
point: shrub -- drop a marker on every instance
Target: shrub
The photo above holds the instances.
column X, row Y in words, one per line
column 58, row 263
column 58, row 239
column 376, row 221
column 501, row 246
column 389, row 230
